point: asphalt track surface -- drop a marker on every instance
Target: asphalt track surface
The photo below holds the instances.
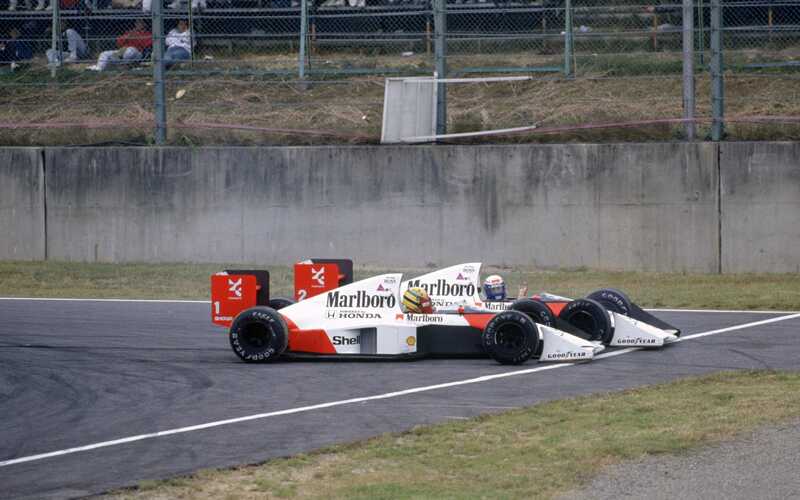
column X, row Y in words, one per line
column 107, row 376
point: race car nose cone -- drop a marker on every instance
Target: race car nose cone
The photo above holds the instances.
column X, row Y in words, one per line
column 598, row 347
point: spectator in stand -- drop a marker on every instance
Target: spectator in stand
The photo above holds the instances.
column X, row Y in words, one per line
column 13, row 50
column 131, row 47
column 196, row 4
column 179, row 44
column 76, row 49
column 64, row 4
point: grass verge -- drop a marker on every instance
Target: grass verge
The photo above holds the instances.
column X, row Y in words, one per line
column 536, row 452
column 190, row 281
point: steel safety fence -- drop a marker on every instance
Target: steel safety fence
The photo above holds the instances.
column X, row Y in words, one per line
column 309, row 71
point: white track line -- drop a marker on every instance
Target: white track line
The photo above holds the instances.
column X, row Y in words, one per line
column 722, row 311
column 343, row 402
column 181, row 301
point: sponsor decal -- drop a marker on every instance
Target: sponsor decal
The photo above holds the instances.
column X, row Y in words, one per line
column 380, row 288
column 411, row 341
column 235, row 288
column 389, row 280
column 442, row 288
column 425, row 318
column 566, row 355
column 635, row 340
column 360, row 299
column 341, row 340
column 468, row 269
column 461, row 277
column 496, row 305
column 318, row 275
column 351, row 314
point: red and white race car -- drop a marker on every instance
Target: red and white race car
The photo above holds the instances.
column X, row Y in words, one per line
column 606, row 315
column 364, row 319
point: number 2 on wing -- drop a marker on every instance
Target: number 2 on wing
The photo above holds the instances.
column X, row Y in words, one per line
column 302, row 294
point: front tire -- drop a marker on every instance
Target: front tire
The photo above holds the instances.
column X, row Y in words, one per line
column 590, row 317
column 510, row 338
column 259, row 335
column 613, row 300
column 536, row 310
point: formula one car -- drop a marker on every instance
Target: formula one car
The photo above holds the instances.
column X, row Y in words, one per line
column 606, row 315
column 364, row 320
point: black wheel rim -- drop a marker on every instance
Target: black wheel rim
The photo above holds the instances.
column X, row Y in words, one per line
column 256, row 336
column 510, row 338
column 584, row 321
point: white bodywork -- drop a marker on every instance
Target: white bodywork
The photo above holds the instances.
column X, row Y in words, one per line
column 439, row 285
column 366, row 318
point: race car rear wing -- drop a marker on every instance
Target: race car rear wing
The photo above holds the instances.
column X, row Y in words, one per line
column 234, row 290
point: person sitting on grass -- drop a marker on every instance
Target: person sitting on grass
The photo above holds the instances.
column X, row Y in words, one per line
column 13, row 50
column 179, row 44
column 132, row 47
column 76, row 49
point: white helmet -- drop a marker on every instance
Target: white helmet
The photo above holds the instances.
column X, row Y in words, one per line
column 494, row 287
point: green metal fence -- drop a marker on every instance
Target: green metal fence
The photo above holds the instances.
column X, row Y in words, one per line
column 304, row 71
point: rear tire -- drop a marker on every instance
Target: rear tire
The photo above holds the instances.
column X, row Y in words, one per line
column 280, row 302
column 259, row 335
column 613, row 300
column 510, row 338
column 590, row 317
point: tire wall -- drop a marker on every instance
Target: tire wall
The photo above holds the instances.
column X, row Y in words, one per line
column 653, row 207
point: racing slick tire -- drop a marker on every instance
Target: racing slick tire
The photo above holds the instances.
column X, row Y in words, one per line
column 591, row 317
column 259, row 334
column 280, row 302
column 613, row 300
column 537, row 310
column 510, row 338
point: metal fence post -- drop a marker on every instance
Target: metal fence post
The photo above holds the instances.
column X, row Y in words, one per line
column 717, row 79
column 568, row 48
column 688, row 69
column 701, row 25
column 440, row 53
column 301, row 63
column 56, row 44
column 158, row 72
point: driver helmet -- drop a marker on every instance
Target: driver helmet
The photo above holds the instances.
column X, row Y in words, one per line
column 494, row 288
column 416, row 300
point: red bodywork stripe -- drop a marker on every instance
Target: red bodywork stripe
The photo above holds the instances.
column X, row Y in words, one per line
column 312, row 341
column 478, row 320
column 556, row 307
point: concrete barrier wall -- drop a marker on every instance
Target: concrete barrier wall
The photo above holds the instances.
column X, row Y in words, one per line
column 760, row 208
column 652, row 207
column 649, row 206
column 22, row 207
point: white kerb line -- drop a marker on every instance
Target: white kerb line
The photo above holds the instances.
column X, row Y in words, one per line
column 363, row 399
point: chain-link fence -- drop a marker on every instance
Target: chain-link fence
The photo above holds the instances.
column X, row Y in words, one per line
column 303, row 71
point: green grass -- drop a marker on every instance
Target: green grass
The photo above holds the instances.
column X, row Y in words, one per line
column 191, row 281
column 536, row 452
